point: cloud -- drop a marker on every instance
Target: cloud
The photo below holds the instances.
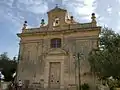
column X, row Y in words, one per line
column 9, row 2
column 109, row 10
column 82, row 8
column 13, row 21
column 117, row 28
column 119, row 13
column 34, row 6
column 16, row 11
column 37, row 9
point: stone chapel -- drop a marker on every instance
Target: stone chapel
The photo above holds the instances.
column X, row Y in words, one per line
column 47, row 54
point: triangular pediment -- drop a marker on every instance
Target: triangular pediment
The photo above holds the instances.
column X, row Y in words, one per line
column 57, row 9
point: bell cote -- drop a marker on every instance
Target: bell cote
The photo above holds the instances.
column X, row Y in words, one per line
column 56, row 17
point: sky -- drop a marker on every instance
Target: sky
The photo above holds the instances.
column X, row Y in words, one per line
column 13, row 13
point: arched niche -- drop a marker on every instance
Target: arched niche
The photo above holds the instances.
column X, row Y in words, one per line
column 56, row 21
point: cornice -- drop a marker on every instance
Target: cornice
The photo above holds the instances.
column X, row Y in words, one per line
column 58, row 32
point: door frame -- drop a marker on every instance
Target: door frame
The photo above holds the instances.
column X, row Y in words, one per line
column 46, row 72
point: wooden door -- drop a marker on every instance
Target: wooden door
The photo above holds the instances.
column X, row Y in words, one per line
column 54, row 75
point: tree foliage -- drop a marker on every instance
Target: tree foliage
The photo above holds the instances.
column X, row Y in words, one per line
column 4, row 56
column 7, row 66
column 106, row 60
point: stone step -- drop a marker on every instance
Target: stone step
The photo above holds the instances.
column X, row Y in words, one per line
column 43, row 89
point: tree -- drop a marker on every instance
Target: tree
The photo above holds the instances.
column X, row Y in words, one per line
column 4, row 56
column 7, row 66
column 106, row 59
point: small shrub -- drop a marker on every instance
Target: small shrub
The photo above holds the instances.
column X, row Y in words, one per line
column 85, row 86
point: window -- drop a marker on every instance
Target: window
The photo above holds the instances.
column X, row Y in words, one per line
column 56, row 43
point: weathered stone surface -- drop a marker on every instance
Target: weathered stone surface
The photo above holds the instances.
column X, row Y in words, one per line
column 36, row 55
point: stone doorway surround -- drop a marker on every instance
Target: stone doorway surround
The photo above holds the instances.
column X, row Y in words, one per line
column 54, row 55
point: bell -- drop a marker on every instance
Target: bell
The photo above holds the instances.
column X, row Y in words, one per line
column 56, row 21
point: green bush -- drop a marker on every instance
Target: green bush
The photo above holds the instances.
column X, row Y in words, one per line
column 85, row 86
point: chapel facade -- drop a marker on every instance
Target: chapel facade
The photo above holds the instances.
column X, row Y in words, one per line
column 48, row 54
